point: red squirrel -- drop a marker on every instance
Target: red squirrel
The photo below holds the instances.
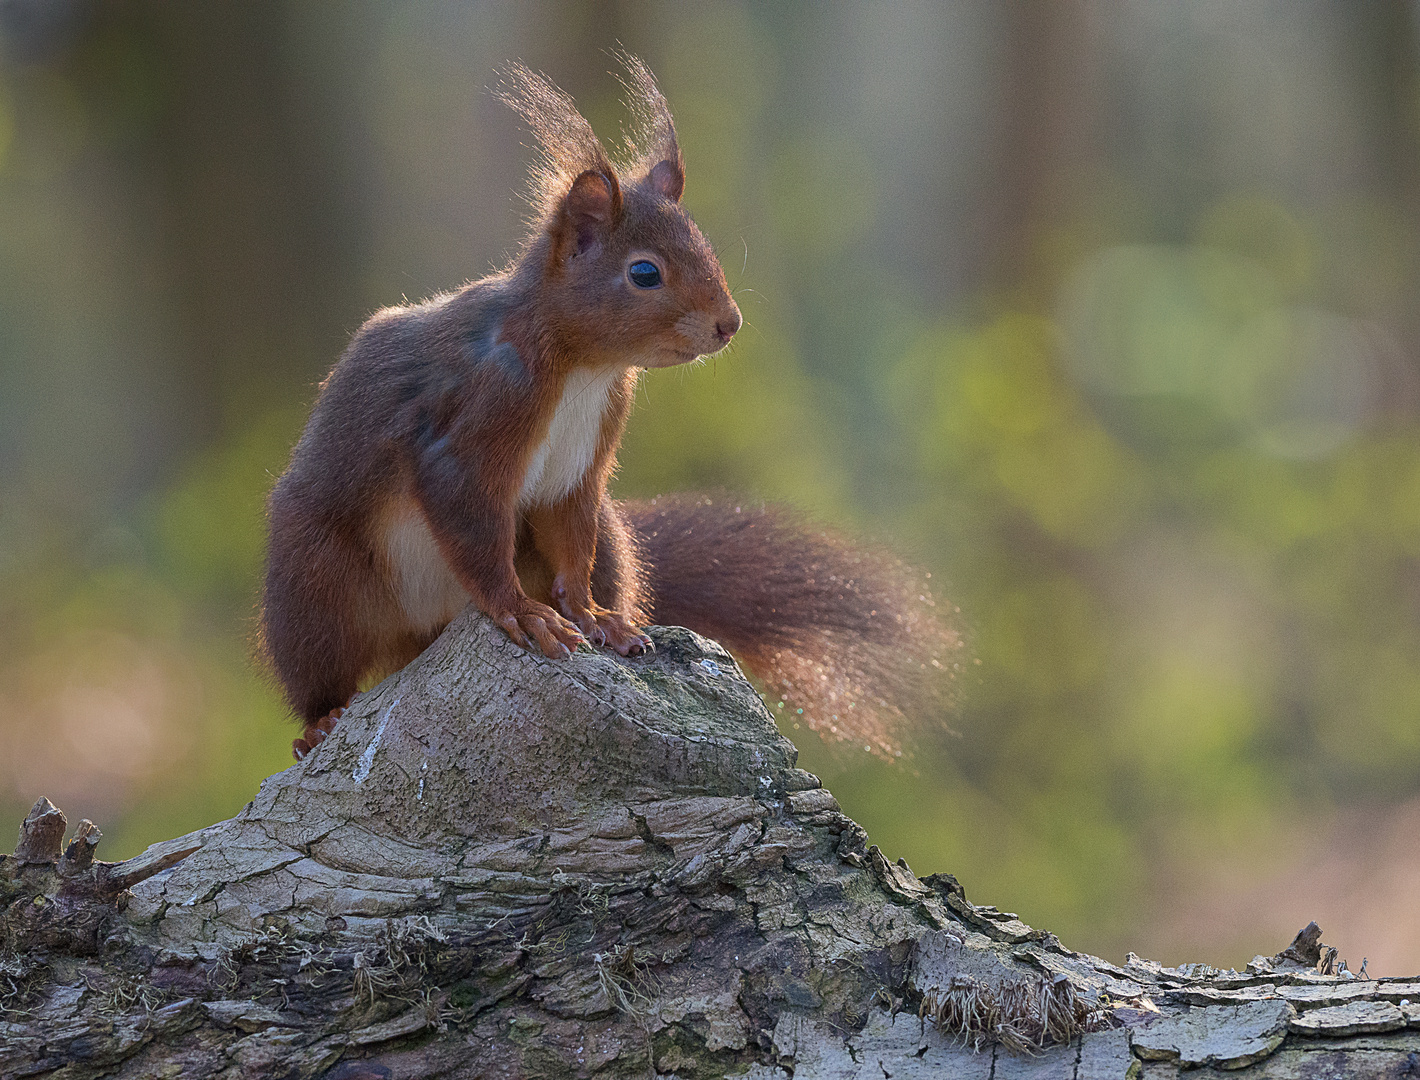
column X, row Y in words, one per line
column 460, row 451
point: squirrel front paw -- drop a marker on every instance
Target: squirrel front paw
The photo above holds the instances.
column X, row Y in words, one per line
column 602, row 626
column 534, row 622
column 612, row 629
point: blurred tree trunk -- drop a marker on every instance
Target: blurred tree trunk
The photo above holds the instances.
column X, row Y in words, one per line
column 262, row 244
column 1050, row 112
column 1385, row 40
column 212, row 138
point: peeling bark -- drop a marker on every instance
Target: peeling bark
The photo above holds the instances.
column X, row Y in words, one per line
column 504, row 866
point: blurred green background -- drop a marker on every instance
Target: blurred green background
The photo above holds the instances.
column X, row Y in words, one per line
column 1104, row 311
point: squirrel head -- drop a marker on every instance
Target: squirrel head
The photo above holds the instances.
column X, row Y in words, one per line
column 624, row 271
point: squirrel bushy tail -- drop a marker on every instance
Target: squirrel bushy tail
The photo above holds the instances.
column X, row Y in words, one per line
column 850, row 637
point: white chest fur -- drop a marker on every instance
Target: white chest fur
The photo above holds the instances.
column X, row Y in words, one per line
column 564, row 456
column 425, row 587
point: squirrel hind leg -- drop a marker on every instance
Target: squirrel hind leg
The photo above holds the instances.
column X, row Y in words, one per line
column 319, row 658
column 325, row 624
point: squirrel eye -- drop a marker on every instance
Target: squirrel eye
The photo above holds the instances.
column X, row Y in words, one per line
column 644, row 274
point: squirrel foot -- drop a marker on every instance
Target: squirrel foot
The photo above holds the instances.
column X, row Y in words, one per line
column 315, row 734
column 539, row 623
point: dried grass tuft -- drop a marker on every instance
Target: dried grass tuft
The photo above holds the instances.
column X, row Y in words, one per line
column 1023, row 1015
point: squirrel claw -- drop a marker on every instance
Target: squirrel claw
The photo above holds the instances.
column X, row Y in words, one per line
column 636, row 645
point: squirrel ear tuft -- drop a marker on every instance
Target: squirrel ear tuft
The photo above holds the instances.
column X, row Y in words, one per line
column 589, row 211
column 668, row 178
column 651, row 141
column 569, row 147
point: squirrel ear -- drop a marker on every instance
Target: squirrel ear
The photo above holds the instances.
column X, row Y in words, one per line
column 668, row 177
column 589, row 209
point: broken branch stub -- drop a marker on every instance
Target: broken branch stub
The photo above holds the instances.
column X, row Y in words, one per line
column 79, row 852
column 504, row 865
column 41, row 835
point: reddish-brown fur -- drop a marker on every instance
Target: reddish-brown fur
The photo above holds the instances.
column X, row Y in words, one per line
column 464, row 445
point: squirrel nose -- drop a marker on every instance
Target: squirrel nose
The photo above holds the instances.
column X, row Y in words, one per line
column 729, row 324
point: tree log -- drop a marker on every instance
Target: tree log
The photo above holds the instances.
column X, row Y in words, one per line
column 505, row 866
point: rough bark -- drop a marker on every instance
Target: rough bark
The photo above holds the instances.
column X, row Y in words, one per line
column 504, row 866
